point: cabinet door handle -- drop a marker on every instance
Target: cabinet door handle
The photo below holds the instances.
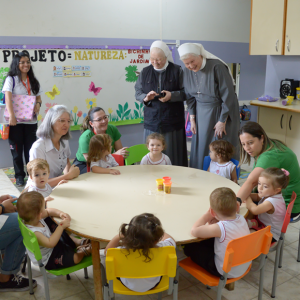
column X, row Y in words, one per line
column 288, row 45
column 276, row 45
column 281, row 121
column 290, row 122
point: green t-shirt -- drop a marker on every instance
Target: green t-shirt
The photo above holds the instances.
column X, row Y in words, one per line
column 287, row 160
column 84, row 140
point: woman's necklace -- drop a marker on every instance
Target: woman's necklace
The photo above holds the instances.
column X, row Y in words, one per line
column 198, row 84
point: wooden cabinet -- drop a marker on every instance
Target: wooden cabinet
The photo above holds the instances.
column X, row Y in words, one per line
column 274, row 122
column 266, row 29
column 274, row 29
column 293, row 133
column 282, row 125
column 292, row 35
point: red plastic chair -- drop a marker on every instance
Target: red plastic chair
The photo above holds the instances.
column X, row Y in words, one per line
column 119, row 159
column 279, row 245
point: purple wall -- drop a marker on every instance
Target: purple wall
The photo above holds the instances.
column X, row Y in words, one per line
column 252, row 80
column 279, row 68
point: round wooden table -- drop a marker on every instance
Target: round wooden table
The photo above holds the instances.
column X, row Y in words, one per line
column 98, row 203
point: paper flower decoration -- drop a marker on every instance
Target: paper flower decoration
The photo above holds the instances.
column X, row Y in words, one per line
column 110, row 110
column 79, row 114
column 75, row 109
column 39, row 117
column 91, row 102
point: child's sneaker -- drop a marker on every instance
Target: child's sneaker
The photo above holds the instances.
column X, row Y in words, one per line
column 17, row 283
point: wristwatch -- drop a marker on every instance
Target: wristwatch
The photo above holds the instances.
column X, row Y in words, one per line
column 3, row 208
column 239, row 200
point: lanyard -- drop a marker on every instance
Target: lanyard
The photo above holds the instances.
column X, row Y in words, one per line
column 27, row 86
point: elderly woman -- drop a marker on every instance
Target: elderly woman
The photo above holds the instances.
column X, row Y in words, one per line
column 164, row 114
column 267, row 153
column 11, row 243
column 96, row 122
column 211, row 99
column 53, row 145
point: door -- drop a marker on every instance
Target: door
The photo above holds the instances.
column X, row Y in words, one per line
column 267, row 27
column 274, row 122
column 292, row 38
column 293, row 133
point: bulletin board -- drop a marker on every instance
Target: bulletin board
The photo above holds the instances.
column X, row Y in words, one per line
column 84, row 78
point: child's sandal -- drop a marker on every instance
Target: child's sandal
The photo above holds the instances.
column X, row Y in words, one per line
column 85, row 242
column 86, row 249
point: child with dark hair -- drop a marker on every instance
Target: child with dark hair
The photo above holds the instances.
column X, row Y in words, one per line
column 268, row 205
column 141, row 234
column 220, row 153
column 99, row 155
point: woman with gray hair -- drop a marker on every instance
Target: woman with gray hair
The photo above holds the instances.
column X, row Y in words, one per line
column 212, row 103
column 164, row 113
column 53, row 145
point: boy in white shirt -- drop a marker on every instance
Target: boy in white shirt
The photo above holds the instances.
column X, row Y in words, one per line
column 219, row 225
column 39, row 170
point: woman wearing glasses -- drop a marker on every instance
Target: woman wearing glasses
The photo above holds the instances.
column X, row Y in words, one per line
column 21, row 81
column 53, row 145
column 96, row 122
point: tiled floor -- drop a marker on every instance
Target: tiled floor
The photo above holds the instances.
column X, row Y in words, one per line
column 78, row 288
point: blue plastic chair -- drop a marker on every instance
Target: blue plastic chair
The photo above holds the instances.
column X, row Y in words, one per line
column 207, row 160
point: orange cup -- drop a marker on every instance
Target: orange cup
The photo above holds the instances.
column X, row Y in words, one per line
column 167, row 187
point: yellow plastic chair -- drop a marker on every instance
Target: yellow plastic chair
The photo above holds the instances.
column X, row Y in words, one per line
column 238, row 251
column 136, row 153
column 119, row 264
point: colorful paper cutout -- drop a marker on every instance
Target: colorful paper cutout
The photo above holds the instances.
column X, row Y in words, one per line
column 91, row 102
column 95, row 90
column 54, row 92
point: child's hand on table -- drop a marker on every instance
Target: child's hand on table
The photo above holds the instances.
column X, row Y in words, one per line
column 64, row 216
column 114, row 172
column 65, row 223
column 62, row 181
column 48, row 199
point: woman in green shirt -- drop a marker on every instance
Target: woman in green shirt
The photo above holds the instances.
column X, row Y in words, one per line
column 267, row 153
column 96, row 122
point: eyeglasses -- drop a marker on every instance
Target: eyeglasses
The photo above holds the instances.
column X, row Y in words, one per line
column 63, row 121
column 102, row 119
column 25, row 63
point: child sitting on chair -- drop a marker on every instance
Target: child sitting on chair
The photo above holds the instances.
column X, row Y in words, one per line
column 219, row 225
column 57, row 247
column 39, row 171
column 142, row 233
column 268, row 205
column 156, row 143
column 99, row 156
column 220, row 153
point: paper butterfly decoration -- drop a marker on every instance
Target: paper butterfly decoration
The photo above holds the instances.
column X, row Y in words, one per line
column 54, row 92
column 95, row 90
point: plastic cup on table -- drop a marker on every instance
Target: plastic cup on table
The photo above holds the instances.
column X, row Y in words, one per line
column 159, row 183
column 167, row 187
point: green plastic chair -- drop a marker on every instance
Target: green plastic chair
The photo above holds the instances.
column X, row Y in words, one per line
column 136, row 153
column 32, row 245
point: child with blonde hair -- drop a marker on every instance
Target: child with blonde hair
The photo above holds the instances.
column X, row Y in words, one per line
column 268, row 205
column 143, row 232
column 219, row 225
column 39, row 171
column 156, row 143
column 99, row 155
column 221, row 152
column 57, row 247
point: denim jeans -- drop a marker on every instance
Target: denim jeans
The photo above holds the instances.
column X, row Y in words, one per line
column 11, row 241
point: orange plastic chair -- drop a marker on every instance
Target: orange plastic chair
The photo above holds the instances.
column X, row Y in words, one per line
column 238, row 251
column 279, row 245
column 119, row 159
